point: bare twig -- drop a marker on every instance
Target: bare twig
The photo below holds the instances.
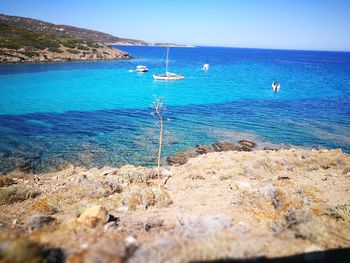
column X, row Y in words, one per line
column 166, row 180
column 158, row 108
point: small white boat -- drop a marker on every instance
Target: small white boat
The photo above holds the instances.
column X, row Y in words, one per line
column 205, row 67
column 141, row 68
column 168, row 75
column 276, row 86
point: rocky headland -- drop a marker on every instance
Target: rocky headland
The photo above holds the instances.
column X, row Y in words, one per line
column 65, row 54
column 29, row 40
column 224, row 202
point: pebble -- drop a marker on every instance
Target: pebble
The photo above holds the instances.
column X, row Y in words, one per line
column 93, row 216
column 130, row 240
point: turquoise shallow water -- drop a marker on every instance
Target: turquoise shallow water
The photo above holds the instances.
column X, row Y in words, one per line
column 97, row 113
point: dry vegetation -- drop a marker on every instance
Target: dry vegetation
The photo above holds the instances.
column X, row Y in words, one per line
column 219, row 205
column 342, row 212
column 13, row 194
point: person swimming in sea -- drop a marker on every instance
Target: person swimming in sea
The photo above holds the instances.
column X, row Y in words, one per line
column 276, row 86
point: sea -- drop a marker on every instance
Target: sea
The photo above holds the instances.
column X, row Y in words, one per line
column 99, row 113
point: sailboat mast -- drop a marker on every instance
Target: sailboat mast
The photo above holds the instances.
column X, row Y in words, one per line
column 167, row 59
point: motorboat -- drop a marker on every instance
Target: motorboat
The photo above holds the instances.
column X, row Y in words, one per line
column 141, row 68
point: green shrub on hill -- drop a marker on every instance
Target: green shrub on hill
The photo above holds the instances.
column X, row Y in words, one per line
column 55, row 50
column 13, row 37
column 29, row 53
column 92, row 44
column 72, row 43
column 10, row 45
column 73, row 51
column 82, row 47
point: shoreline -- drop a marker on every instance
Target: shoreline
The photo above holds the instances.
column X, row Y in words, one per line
column 51, row 57
column 63, row 61
column 218, row 205
column 30, row 165
column 21, row 56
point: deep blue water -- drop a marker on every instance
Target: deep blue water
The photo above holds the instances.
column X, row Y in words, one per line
column 98, row 113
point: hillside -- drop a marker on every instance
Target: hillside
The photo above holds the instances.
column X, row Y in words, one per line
column 65, row 31
column 282, row 205
column 20, row 44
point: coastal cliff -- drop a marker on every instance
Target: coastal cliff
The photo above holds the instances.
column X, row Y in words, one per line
column 225, row 203
column 29, row 40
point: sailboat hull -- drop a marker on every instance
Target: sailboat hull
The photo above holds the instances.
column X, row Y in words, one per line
column 168, row 76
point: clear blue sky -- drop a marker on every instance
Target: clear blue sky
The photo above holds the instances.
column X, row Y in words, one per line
column 284, row 24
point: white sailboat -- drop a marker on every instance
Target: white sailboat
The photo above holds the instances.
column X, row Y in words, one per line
column 168, row 75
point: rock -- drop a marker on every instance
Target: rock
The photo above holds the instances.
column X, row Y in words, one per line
column 246, row 149
column 130, row 240
column 83, row 178
column 39, row 220
column 131, row 245
column 283, row 178
column 346, row 171
column 243, row 185
column 153, row 224
column 243, row 227
column 2, row 224
column 270, row 149
column 203, row 149
column 110, row 225
column 247, row 143
column 6, row 181
column 321, row 148
column 180, row 158
column 93, row 216
column 64, row 166
column 225, row 146
column 25, row 166
column 123, row 209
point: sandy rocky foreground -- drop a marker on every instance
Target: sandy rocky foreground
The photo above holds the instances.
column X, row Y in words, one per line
column 226, row 204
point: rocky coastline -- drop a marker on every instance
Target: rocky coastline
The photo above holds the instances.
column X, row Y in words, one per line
column 214, row 202
column 221, row 146
column 103, row 52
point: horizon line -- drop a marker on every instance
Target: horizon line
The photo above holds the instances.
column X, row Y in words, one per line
column 237, row 47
